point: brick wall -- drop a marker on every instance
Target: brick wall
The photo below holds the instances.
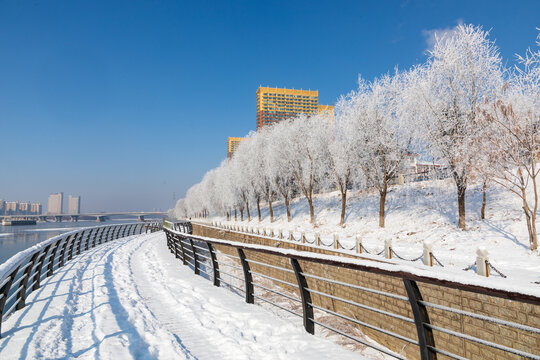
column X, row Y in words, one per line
column 525, row 314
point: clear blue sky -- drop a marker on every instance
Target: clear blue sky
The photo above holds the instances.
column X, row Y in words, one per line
column 126, row 102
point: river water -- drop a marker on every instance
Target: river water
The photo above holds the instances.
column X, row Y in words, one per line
column 16, row 238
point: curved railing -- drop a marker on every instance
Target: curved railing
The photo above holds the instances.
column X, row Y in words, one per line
column 407, row 311
column 22, row 274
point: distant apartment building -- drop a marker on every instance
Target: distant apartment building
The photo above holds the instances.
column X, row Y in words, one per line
column 24, row 208
column 232, row 145
column 277, row 104
column 12, row 207
column 2, row 207
column 74, row 204
column 36, row 209
column 55, row 203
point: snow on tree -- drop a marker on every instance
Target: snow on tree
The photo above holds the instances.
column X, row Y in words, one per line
column 306, row 150
column 241, row 176
column 463, row 69
column 180, row 211
column 277, row 168
column 260, row 172
column 513, row 141
column 344, row 150
column 381, row 136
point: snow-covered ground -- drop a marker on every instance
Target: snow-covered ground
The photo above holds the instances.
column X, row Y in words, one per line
column 131, row 298
column 418, row 212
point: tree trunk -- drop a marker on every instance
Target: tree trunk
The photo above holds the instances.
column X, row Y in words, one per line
column 461, row 189
column 343, row 206
column 311, row 213
column 247, row 211
column 235, row 217
column 259, row 209
column 288, row 206
column 382, row 203
column 534, row 240
column 271, row 211
column 241, row 214
column 483, row 209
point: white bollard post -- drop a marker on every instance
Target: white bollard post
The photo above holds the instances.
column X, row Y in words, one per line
column 336, row 241
column 317, row 239
column 358, row 244
column 482, row 261
column 388, row 248
column 428, row 253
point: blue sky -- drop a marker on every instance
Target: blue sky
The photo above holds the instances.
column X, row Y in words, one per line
column 128, row 102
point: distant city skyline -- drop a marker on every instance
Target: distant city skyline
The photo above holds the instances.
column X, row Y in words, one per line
column 19, row 208
column 126, row 104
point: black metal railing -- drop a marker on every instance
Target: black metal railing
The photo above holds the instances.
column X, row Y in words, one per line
column 244, row 275
column 31, row 267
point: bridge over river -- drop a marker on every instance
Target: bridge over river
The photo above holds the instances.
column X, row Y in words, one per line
column 99, row 217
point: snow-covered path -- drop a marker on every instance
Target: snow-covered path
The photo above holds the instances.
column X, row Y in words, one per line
column 131, row 299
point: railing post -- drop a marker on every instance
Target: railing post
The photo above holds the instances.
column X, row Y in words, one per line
column 100, row 241
column 425, row 335
column 21, row 296
column 184, row 261
column 247, row 277
column 95, row 237
column 51, row 259
column 116, row 232
column 168, row 241
column 79, row 243
column 37, row 274
column 4, row 291
column 215, row 265
column 358, row 244
column 195, row 261
column 124, row 228
column 307, row 309
column 110, row 231
column 64, row 248
column 72, row 246
column 175, row 246
column 87, row 245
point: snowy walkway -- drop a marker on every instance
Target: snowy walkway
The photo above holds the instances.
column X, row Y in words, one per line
column 131, row 299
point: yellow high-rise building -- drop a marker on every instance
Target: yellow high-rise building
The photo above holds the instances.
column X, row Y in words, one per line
column 276, row 104
column 232, row 145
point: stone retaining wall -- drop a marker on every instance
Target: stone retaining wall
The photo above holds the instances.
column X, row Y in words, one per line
column 525, row 314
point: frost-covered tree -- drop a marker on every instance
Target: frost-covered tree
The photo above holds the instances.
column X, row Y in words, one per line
column 306, row 149
column 463, row 69
column 513, row 145
column 180, row 210
column 383, row 140
column 344, row 151
column 240, row 176
column 278, row 169
column 261, row 174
